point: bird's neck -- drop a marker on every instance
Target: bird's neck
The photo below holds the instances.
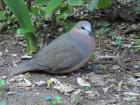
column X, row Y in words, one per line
column 90, row 41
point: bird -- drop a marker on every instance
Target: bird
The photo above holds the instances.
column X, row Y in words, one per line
column 65, row 54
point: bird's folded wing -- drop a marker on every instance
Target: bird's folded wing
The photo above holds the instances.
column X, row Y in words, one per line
column 60, row 54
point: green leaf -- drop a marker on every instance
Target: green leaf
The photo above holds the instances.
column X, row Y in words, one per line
column 64, row 12
column 56, row 100
column 137, row 42
column 35, row 10
column 106, row 24
column 2, row 83
column 63, row 15
column 93, row 56
column 106, row 29
column 19, row 8
column 103, row 4
column 38, row 104
column 40, row 1
column 87, row 88
column 92, row 5
column 137, row 7
column 138, row 49
column 118, row 41
column 22, row 31
column 2, row 13
column 75, row 2
column 52, row 5
column 68, row 26
column 48, row 98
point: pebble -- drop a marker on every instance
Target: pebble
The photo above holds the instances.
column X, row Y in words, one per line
column 40, row 83
column 112, row 101
column 11, row 93
column 0, row 53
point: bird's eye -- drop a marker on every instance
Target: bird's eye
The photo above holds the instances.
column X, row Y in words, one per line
column 82, row 27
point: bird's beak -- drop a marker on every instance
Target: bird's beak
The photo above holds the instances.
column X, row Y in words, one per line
column 91, row 33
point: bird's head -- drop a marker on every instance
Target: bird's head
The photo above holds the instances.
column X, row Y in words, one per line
column 83, row 27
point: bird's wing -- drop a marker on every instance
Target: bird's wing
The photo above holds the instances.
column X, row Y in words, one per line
column 62, row 53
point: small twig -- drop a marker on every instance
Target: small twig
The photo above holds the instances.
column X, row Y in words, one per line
column 105, row 62
column 128, row 72
column 108, row 57
column 132, row 28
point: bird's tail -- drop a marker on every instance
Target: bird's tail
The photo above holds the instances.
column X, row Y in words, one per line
column 22, row 68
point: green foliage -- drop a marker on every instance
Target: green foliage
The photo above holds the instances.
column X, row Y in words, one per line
column 45, row 9
column 52, row 5
column 2, row 13
column 67, row 26
column 38, row 104
column 35, row 10
column 64, row 12
column 75, row 2
column 2, row 83
column 118, row 41
column 104, row 28
column 40, row 1
column 102, row 4
column 56, row 100
column 53, row 100
column 137, row 8
column 22, row 31
column 92, row 5
column 93, row 56
column 137, row 42
column 19, row 8
column 21, row 12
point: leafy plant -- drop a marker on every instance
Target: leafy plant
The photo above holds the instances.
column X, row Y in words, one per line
column 102, row 4
column 137, row 8
column 118, row 41
column 53, row 100
column 2, row 13
column 75, row 2
column 45, row 9
column 104, row 29
column 19, row 8
column 2, row 83
column 92, row 5
column 52, row 5
column 56, row 100
column 93, row 56
column 137, row 42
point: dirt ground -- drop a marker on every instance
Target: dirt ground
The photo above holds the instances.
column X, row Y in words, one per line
column 114, row 84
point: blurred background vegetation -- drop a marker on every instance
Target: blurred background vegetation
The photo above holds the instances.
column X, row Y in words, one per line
column 31, row 15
